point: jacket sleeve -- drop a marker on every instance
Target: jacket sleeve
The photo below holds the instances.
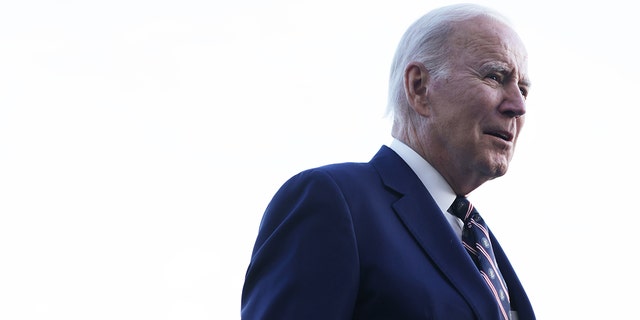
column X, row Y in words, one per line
column 305, row 260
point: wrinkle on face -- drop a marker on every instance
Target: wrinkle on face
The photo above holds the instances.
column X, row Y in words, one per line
column 474, row 104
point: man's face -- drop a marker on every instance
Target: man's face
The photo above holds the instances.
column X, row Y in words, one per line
column 477, row 108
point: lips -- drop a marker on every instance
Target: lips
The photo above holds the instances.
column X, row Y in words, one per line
column 501, row 134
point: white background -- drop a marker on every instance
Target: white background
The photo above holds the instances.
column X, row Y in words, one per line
column 140, row 142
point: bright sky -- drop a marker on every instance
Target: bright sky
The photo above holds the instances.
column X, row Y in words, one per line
column 140, row 142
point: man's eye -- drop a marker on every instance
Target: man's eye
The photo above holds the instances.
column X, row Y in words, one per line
column 524, row 92
column 495, row 77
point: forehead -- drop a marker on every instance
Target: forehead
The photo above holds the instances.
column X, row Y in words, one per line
column 481, row 41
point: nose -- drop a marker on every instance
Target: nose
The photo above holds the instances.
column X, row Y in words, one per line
column 513, row 105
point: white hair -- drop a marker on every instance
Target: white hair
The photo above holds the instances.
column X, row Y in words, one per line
column 425, row 41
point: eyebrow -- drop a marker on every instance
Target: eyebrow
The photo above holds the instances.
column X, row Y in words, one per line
column 525, row 81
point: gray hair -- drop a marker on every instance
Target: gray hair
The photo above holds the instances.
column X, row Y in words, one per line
column 425, row 41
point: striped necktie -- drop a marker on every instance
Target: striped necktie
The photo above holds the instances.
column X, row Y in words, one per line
column 475, row 238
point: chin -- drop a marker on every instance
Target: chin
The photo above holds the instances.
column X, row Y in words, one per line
column 495, row 169
column 500, row 170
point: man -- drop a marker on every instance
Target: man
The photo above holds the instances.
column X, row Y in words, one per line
column 377, row 240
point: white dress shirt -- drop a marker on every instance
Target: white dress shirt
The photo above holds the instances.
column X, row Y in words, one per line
column 432, row 180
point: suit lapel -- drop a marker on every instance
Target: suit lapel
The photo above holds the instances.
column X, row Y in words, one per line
column 423, row 219
column 519, row 299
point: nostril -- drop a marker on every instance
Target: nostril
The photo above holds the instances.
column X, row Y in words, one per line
column 512, row 113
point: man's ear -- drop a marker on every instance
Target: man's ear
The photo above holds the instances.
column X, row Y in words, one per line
column 416, row 81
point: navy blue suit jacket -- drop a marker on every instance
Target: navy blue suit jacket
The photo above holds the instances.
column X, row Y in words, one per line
column 366, row 241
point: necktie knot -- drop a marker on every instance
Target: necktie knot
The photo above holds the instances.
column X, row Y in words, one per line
column 461, row 208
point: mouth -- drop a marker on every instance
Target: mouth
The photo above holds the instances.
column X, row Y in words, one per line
column 500, row 134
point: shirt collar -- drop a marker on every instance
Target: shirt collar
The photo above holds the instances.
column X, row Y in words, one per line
column 430, row 177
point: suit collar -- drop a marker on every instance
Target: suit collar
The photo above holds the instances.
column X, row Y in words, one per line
column 438, row 187
column 422, row 218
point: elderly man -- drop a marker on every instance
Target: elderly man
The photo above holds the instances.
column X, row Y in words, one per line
column 396, row 238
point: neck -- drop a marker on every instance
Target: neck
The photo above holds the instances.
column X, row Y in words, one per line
column 461, row 180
